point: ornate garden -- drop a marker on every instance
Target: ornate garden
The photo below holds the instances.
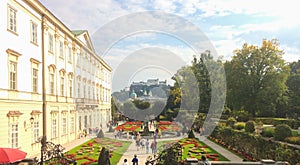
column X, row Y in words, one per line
column 88, row 153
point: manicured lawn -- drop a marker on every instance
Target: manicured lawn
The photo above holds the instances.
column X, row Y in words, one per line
column 193, row 148
column 88, row 152
column 295, row 133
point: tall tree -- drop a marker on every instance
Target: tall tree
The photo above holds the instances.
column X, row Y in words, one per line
column 188, row 85
column 203, row 78
column 293, row 84
column 256, row 78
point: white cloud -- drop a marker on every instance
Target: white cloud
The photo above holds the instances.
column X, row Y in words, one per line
column 93, row 14
column 166, row 6
column 291, row 53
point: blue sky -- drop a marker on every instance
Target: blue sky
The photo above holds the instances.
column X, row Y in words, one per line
column 226, row 23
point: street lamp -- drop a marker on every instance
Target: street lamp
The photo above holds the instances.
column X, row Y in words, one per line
column 26, row 125
column 44, row 139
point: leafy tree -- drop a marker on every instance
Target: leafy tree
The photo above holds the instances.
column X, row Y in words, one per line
column 114, row 108
column 174, row 98
column 295, row 67
column 256, row 78
column 203, row 78
column 128, row 109
column 140, row 104
column 188, row 85
column 293, row 83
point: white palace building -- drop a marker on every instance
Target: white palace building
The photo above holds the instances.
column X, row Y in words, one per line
column 47, row 71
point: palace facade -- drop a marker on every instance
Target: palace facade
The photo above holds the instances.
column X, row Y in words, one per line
column 46, row 67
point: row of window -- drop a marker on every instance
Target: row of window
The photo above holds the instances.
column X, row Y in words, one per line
column 62, row 82
column 61, row 51
column 90, row 93
column 12, row 27
column 13, row 77
column 14, row 130
column 64, row 130
column 13, row 70
column 12, row 24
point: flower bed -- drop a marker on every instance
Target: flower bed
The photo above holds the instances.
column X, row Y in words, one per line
column 88, row 152
column 130, row 126
column 164, row 126
column 167, row 126
column 193, row 148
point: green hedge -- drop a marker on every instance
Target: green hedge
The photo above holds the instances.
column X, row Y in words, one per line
column 268, row 131
column 257, row 146
column 282, row 131
column 294, row 124
column 293, row 140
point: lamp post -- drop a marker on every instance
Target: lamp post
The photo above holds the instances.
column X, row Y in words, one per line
column 44, row 138
column 43, row 148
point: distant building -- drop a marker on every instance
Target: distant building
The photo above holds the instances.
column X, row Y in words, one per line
column 150, row 88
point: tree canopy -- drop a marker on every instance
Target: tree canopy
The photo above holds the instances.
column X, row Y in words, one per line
column 256, row 78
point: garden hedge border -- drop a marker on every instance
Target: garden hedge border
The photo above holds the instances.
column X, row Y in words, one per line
column 257, row 146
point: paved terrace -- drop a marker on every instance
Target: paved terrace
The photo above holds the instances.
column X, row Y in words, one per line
column 142, row 156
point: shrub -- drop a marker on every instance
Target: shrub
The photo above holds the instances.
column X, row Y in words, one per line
column 230, row 122
column 104, row 157
column 191, row 134
column 239, row 125
column 268, row 131
column 250, row 126
column 100, row 134
column 282, row 131
column 293, row 140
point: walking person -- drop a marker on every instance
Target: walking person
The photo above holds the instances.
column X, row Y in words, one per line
column 135, row 160
column 147, row 146
column 115, row 134
column 137, row 143
column 142, row 142
column 125, row 162
column 204, row 161
column 153, row 147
